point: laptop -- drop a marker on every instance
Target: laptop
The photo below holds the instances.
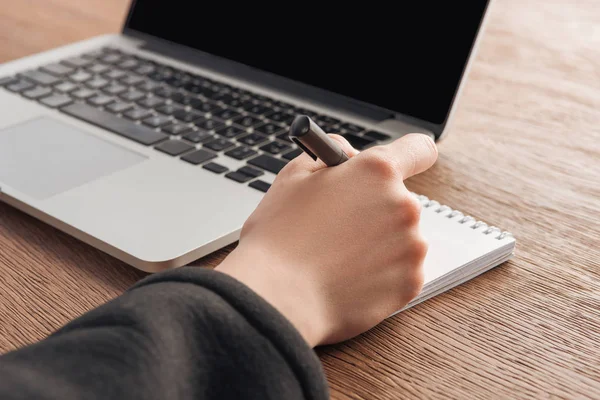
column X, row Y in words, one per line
column 154, row 145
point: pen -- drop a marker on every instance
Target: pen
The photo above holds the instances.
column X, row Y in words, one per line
column 314, row 141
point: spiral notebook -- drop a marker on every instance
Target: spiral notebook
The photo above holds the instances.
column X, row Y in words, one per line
column 460, row 248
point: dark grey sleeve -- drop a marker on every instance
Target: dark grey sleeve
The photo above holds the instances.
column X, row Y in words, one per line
column 187, row 333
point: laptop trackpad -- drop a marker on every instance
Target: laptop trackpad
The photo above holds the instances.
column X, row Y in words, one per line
column 44, row 157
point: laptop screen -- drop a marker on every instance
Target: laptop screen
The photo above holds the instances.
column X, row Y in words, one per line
column 404, row 57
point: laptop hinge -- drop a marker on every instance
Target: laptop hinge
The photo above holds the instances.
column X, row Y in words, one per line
column 261, row 78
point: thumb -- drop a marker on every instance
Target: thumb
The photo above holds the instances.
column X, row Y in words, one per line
column 306, row 164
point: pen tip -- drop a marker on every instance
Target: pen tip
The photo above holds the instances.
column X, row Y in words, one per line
column 300, row 126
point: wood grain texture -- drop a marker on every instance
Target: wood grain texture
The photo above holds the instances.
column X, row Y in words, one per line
column 523, row 154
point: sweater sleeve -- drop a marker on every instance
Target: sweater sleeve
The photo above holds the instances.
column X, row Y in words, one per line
column 187, row 333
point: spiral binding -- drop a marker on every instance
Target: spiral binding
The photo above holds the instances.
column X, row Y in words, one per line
column 462, row 219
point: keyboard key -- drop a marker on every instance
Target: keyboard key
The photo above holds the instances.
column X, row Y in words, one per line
column 333, row 129
column 211, row 94
column 163, row 91
column 326, row 120
column 114, row 89
column 7, row 80
column 199, row 156
column 57, row 100
column 230, row 131
column 260, row 185
column 218, row 144
column 290, row 155
column 94, row 54
column 261, row 98
column 119, row 107
column 187, row 116
column 376, row 135
column 247, row 121
column 275, row 147
column 358, row 142
column 352, row 127
column 169, row 109
column 268, row 163
column 235, row 103
column 198, row 136
column 270, row 129
column 57, row 69
column 101, row 100
column 151, row 102
column 283, row 105
column 181, row 98
column 98, row 68
column 193, row 86
column 132, row 95
column 128, row 63
column 66, row 87
column 111, row 58
column 131, row 80
column 80, row 76
column 97, row 83
column 20, row 86
column 137, row 113
column 174, row 147
column 176, row 129
column 256, row 109
column 158, row 76
column 145, row 69
column 285, row 136
column 203, row 105
column 147, row 86
column 77, row 62
column 253, row 139
column 240, row 153
column 83, row 93
column 120, row 126
column 115, row 74
column 39, row 77
column 282, row 117
column 304, row 111
column 253, row 172
column 208, row 124
column 157, row 121
column 239, row 177
column 226, row 98
column 216, row 168
column 225, row 114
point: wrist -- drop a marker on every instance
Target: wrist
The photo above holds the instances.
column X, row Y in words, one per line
column 288, row 292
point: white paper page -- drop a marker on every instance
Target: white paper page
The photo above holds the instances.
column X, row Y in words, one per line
column 451, row 244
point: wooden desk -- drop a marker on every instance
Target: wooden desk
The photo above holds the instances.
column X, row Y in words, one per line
column 524, row 155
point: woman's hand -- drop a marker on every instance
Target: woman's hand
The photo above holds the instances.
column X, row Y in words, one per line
column 338, row 249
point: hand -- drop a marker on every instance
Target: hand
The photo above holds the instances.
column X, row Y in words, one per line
column 337, row 249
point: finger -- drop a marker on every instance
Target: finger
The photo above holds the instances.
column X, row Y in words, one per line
column 306, row 164
column 407, row 156
column 413, row 154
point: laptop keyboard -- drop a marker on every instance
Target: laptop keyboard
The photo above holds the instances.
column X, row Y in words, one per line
column 188, row 116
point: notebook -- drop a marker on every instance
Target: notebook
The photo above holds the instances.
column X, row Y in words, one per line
column 460, row 248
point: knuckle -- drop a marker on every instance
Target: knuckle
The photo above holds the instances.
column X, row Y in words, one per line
column 378, row 161
column 420, row 248
column 410, row 209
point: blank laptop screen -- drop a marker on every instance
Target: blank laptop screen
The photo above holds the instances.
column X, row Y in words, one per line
column 406, row 57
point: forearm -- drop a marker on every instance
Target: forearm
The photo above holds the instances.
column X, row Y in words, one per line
column 186, row 333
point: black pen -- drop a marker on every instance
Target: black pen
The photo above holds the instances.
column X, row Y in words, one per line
column 314, row 141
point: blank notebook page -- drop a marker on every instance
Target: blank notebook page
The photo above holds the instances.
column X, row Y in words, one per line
column 457, row 252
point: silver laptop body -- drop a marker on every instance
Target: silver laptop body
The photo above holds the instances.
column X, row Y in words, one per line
column 108, row 177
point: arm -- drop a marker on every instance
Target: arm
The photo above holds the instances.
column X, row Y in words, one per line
column 328, row 254
column 189, row 333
